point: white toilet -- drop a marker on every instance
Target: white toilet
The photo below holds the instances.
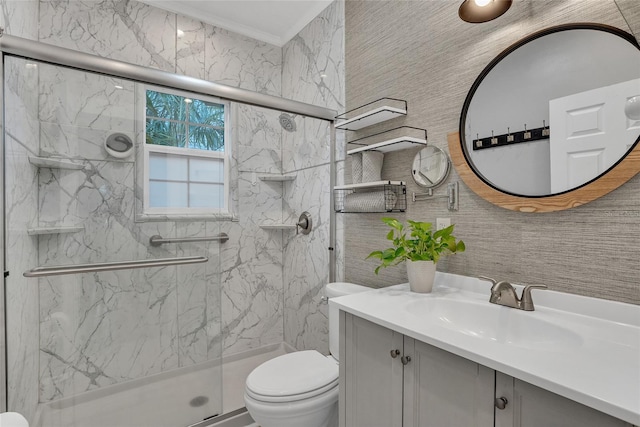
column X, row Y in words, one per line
column 300, row 388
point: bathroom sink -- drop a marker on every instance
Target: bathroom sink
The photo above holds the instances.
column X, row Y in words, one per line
column 494, row 323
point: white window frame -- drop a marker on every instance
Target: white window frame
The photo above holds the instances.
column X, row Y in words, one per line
column 186, row 152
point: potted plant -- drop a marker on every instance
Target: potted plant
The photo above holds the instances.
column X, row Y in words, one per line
column 421, row 250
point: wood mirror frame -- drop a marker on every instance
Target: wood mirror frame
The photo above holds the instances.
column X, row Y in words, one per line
column 622, row 172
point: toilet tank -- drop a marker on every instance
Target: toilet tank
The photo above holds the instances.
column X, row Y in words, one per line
column 332, row 290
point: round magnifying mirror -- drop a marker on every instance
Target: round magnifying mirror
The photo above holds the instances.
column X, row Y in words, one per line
column 430, row 167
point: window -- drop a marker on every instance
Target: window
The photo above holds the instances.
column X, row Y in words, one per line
column 186, row 153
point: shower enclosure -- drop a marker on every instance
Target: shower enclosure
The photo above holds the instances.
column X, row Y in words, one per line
column 112, row 286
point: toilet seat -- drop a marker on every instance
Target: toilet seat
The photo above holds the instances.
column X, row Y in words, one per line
column 293, row 377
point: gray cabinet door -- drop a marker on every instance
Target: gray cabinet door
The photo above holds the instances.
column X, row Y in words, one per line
column 531, row 406
column 445, row 390
column 371, row 393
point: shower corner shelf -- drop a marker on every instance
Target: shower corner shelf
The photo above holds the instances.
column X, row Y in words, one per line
column 37, row 231
column 277, row 178
column 54, row 163
column 373, row 116
column 278, row 226
column 392, row 199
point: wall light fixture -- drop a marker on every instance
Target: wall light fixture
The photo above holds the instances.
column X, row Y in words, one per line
column 477, row 11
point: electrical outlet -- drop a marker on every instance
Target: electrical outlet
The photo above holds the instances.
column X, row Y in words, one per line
column 442, row 223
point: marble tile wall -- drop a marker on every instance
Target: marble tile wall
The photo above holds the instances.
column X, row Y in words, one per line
column 20, row 18
column 432, row 63
column 21, row 139
column 86, row 341
column 251, row 261
column 313, row 72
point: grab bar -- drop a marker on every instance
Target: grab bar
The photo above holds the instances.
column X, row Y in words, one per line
column 158, row 240
column 109, row 266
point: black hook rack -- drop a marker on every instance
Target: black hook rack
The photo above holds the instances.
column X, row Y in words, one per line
column 509, row 138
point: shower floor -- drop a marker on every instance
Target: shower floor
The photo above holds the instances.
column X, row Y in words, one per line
column 161, row 401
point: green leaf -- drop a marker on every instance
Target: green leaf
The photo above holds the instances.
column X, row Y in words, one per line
column 423, row 244
column 393, row 223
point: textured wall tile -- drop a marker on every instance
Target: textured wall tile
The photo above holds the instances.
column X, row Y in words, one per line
column 631, row 13
column 432, row 63
column 100, row 329
column 243, row 62
column 191, row 291
column 20, row 18
column 313, row 72
column 251, row 271
column 125, row 30
column 103, row 105
column 306, row 261
column 308, row 146
column 190, row 47
column 21, row 294
column 257, row 140
column 313, row 61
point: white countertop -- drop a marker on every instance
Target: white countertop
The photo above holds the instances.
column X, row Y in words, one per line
column 585, row 349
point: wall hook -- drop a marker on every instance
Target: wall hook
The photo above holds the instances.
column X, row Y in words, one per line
column 527, row 134
column 545, row 128
column 510, row 137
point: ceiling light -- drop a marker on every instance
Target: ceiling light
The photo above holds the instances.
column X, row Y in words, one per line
column 180, row 33
column 119, row 87
column 188, row 101
column 632, row 108
column 477, row 11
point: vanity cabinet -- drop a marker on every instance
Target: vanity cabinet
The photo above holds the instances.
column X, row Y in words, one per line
column 390, row 380
column 531, row 406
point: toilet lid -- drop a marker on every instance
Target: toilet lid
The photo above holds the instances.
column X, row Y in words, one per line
column 293, row 374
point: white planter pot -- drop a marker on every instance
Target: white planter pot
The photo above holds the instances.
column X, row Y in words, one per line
column 421, row 275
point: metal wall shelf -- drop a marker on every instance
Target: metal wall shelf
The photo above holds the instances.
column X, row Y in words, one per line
column 367, row 185
column 371, row 197
column 385, row 111
column 396, row 139
column 395, row 144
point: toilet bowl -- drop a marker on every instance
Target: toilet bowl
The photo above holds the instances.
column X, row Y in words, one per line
column 300, row 388
column 12, row 419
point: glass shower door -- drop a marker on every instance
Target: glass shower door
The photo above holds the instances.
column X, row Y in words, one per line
column 126, row 347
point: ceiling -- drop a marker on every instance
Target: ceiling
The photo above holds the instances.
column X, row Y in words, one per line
column 272, row 21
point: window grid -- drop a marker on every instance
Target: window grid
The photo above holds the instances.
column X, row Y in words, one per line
column 190, row 153
column 188, row 181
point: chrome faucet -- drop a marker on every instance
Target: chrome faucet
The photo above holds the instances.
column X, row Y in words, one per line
column 503, row 293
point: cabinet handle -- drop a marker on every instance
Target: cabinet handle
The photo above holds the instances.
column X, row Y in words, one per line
column 395, row 353
column 501, row 402
column 405, row 359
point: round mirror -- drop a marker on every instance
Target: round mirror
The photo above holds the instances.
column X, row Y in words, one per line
column 430, row 167
column 547, row 116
